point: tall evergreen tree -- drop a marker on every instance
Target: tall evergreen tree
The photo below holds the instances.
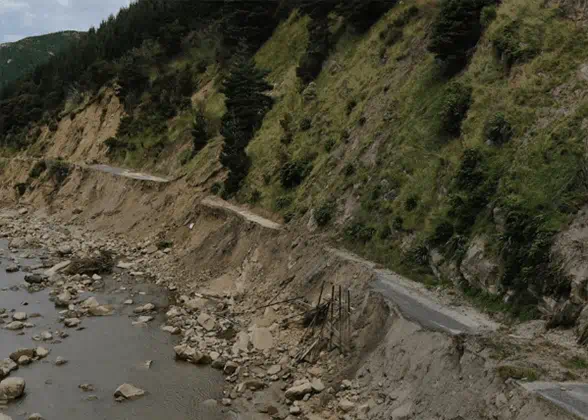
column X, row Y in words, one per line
column 246, row 104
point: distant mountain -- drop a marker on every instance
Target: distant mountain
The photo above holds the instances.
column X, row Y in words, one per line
column 18, row 57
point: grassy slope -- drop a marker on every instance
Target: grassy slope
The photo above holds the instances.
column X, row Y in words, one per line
column 398, row 152
column 29, row 52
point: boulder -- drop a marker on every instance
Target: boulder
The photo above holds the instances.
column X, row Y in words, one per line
column 24, row 360
column 299, row 390
column 12, row 268
column 63, row 299
column 171, row 330
column 34, row 278
column 14, row 326
column 60, row 361
column 41, row 352
column 35, row 416
column 30, row 353
column 5, row 417
column 190, row 354
column 262, row 338
column 317, row 385
column 101, row 310
column 7, row 366
column 479, row 269
column 206, row 321
column 230, row 367
column 46, row 336
column 128, row 392
column 12, row 388
column 91, row 302
column 72, row 322
column 20, row 316
column 346, row 406
column 144, row 308
column 404, row 412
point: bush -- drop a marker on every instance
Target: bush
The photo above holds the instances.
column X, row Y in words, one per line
column 456, row 32
column 293, row 173
column 255, row 196
column 398, row 223
column 442, row 233
column 200, row 132
column 283, row 202
column 58, row 170
column 511, row 49
column 38, row 168
column 317, row 52
column 359, row 231
column 324, row 213
column 305, row 124
column 351, row 104
column 455, row 106
column 411, row 203
column 385, row 232
column 406, row 16
column 330, row 144
column 488, row 15
column 498, row 130
column 349, row 169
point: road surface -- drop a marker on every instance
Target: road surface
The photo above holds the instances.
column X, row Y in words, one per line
column 417, row 304
column 128, row 173
column 571, row 396
column 215, row 202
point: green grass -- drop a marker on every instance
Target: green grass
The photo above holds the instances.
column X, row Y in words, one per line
column 519, row 372
column 576, row 363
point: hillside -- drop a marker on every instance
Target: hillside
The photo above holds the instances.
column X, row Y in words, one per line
column 443, row 140
column 17, row 58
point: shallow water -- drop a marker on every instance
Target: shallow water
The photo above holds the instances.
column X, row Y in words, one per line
column 108, row 352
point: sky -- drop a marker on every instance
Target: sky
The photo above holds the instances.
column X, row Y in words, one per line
column 22, row 18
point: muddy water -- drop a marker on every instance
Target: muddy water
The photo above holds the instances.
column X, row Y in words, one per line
column 109, row 351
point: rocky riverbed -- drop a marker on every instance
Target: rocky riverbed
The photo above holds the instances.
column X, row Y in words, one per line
column 120, row 337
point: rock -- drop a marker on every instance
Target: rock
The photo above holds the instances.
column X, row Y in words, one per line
column 86, row 387
column 24, row 360
column 214, row 355
column 128, row 302
column 143, row 320
column 125, row 265
column 20, row 316
column 57, row 268
column 230, row 367
column 295, row 410
column 60, row 361
column 46, row 336
column 41, row 352
column 5, row 417
column 346, row 384
column 12, row 268
column 218, row 364
column 30, row 353
column 565, row 314
column 33, row 278
column 317, row 385
column 35, row 416
column 14, row 326
column 96, row 277
column 171, row 330
column 128, row 392
column 91, row 302
column 145, row 308
column 479, row 269
column 274, row 370
column 7, row 366
column 72, row 322
column 101, row 310
column 298, row 391
column 242, row 343
column 190, row 354
column 12, row 388
column 173, row 312
column 253, row 384
column 262, row 338
column 345, row 405
column 63, row 299
column 206, row 321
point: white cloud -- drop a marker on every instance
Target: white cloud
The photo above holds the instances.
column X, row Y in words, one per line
column 63, row 2
column 9, row 6
column 28, row 19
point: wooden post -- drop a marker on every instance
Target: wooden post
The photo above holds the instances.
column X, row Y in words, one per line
column 318, row 308
column 332, row 321
column 340, row 321
column 349, row 319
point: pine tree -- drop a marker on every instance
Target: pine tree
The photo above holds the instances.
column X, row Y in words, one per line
column 246, row 104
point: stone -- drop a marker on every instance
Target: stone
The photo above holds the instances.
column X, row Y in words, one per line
column 91, row 302
column 20, row 316
column 72, row 322
column 101, row 310
column 24, row 360
column 128, row 302
column 345, row 405
column 35, row 416
column 144, row 308
column 226, row 402
column 214, row 355
column 7, row 366
column 230, row 367
column 34, row 278
column 12, row 268
column 41, row 352
column 143, row 320
column 60, row 361
column 479, row 268
column 298, row 391
column 128, row 392
column 317, row 385
column 14, row 326
column 241, row 343
column 46, row 336
column 262, row 338
column 295, row 410
column 218, row 363
column 274, row 370
column 96, row 277
column 57, row 268
column 171, row 330
column 346, row 384
column 5, row 417
column 12, row 388
column 30, row 353
column 206, row 321
column 65, row 249
column 253, row 385
column 173, row 312
column 190, row 354
column 86, row 387
column 63, row 299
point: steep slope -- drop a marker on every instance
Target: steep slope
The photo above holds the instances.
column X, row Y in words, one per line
column 17, row 58
column 456, row 157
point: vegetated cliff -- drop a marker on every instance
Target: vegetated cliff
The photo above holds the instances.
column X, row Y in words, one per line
column 444, row 139
column 17, row 58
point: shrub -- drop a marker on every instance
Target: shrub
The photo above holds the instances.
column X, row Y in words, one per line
column 406, row 16
column 317, row 52
column 200, row 132
column 385, row 232
column 255, row 196
column 38, row 168
column 305, row 124
column 411, row 203
column 442, row 233
column 456, row 32
column 53, row 126
column 498, row 130
column 283, row 202
column 398, row 223
column 454, row 108
column 510, row 49
column 293, row 173
column 359, row 231
column 488, row 15
column 330, row 144
column 351, row 104
column 58, row 170
column 164, row 243
column 324, row 213
column 362, row 14
column 216, row 188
